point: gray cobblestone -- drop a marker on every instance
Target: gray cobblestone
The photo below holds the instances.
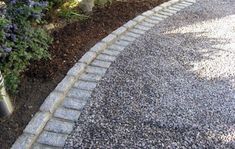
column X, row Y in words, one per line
column 153, row 21
column 165, row 13
column 77, row 69
column 167, row 4
column 156, row 18
column 98, row 70
column 184, row 4
column 65, row 84
column 133, row 34
column 79, row 94
column 90, row 77
column 190, row 1
column 174, row 9
column 148, row 13
column 109, row 39
column 53, row 139
column 117, row 47
column 130, row 24
column 43, row 146
column 157, row 9
column 37, row 123
column 111, row 52
column 128, row 38
column 137, row 31
column 102, row 57
column 171, row 11
column 88, row 57
column 67, row 114
column 139, row 18
column 160, row 16
column 122, row 43
column 85, row 85
column 72, row 103
column 99, row 63
column 178, row 6
column 187, row 3
column 141, row 27
column 99, row 47
column 52, row 102
column 147, row 24
column 25, row 141
column 59, row 126
column 119, row 31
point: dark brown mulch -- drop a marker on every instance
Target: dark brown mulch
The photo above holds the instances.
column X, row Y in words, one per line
column 70, row 43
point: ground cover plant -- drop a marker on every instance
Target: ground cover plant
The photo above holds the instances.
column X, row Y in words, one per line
column 21, row 39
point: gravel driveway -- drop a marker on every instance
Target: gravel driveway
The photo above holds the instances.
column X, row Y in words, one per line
column 172, row 88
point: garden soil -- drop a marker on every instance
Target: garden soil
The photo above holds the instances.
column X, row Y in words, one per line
column 69, row 45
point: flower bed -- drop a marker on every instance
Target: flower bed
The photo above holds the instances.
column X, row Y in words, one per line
column 69, row 44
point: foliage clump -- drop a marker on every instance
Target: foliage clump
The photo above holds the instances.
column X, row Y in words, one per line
column 21, row 39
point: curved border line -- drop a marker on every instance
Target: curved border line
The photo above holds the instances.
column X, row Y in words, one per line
column 55, row 120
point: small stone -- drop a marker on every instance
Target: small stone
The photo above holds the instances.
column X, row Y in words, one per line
column 128, row 38
column 58, row 126
column 156, row 18
column 109, row 39
column 103, row 58
column 24, row 141
column 117, row 47
column 99, row 47
column 153, row 21
column 72, row 103
column 160, row 16
column 79, row 94
column 133, row 35
column 52, row 102
column 141, row 27
column 138, row 31
column 139, row 18
column 88, row 57
column 174, row 9
column 165, row 13
column 65, row 84
column 157, row 9
column 52, row 139
column 178, row 6
column 85, row 85
column 77, row 69
column 111, row 52
column 122, row 43
column 37, row 123
column 147, row 24
column 101, row 63
column 96, row 70
column 130, row 24
column 171, row 11
column 148, row 13
column 42, row 146
column 90, row 77
column 67, row 114
column 119, row 31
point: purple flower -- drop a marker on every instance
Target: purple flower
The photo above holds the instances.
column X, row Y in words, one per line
column 6, row 49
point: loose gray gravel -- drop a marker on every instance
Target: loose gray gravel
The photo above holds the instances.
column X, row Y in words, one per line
column 173, row 88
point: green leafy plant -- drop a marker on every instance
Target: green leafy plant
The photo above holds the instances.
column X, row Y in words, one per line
column 21, row 40
column 71, row 14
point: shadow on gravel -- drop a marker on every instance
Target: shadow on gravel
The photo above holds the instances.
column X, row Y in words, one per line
column 173, row 88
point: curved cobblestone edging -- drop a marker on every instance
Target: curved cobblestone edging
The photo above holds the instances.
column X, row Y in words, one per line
column 50, row 126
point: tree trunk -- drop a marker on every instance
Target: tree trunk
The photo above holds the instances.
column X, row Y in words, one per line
column 6, row 107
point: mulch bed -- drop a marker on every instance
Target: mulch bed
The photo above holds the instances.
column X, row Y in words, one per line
column 70, row 43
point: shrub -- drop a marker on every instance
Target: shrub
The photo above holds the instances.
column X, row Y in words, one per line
column 21, row 39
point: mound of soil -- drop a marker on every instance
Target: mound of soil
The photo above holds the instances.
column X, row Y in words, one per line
column 70, row 43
